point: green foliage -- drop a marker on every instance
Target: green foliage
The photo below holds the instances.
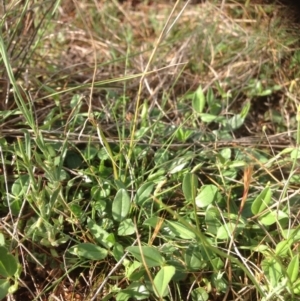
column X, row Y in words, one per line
column 10, row 271
column 148, row 255
column 147, row 194
column 89, row 251
column 162, row 280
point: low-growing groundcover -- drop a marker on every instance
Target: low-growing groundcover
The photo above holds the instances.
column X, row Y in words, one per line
column 149, row 152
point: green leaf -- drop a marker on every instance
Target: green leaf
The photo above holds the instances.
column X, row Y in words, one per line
column 264, row 249
column 273, row 217
column 136, row 291
column 219, row 282
column 152, row 221
column 262, row 201
column 120, row 184
column 295, row 153
column 226, row 153
column 193, row 258
column 143, row 193
column 126, row 227
column 245, row 109
column 121, row 205
column 212, row 219
column 215, row 106
column 99, row 193
column 238, row 120
column 16, row 206
column 189, row 187
column 207, row 195
column 182, row 134
column 99, row 234
column 178, row 165
column 226, row 231
column 89, row 251
column 283, row 247
column 20, row 186
column 75, row 101
column 4, row 286
column 73, row 160
column 208, row 117
column 8, row 263
column 296, row 287
column 162, row 280
column 199, row 100
column 291, row 234
column 161, row 156
column 139, row 274
column 131, row 268
column 118, row 251
column 235, row 122
column 122, row 296
column 216, row 262
column 199, row 294
column 180, row 230
column 151, row 255
column 90, row 152
column 293, row 268
column 272, row 270
column 141, row 132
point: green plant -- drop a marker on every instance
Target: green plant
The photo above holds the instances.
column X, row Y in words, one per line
column 9, row 271
column 151, row 163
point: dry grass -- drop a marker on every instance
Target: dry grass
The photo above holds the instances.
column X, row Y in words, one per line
column 230, row 47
